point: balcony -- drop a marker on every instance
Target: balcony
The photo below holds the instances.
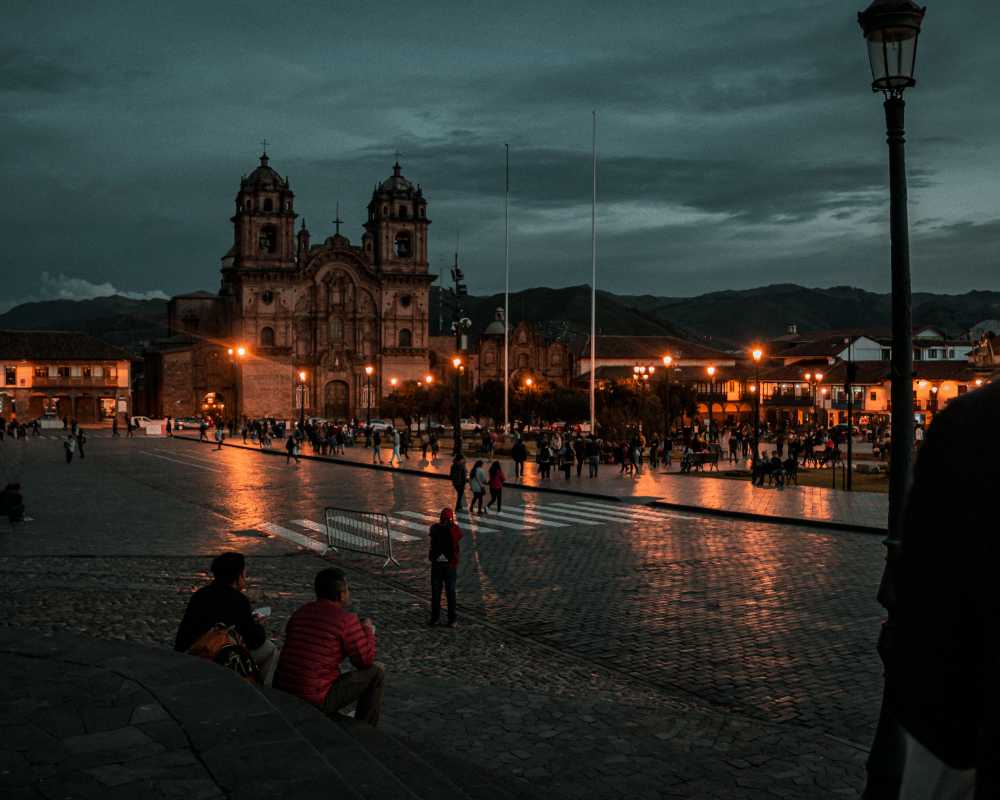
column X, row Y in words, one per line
column 789, row 400
column 59, row 382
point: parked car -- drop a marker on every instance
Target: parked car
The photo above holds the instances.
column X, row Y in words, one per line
column 380, row 424
column 182, row 423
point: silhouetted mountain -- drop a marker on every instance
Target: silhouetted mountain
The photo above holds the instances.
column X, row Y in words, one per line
column 115, row 319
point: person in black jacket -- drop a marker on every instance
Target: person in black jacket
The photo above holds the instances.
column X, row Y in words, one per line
column 943, row 659
column 458, row 480
column 443, row 555
column 223, row 601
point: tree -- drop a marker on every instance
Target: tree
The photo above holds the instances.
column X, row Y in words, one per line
column 487, row 400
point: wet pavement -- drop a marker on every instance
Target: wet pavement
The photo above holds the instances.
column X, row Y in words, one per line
column 654, row 617
column 807, row 504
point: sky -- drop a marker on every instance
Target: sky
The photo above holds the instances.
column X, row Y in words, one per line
column 739, row 144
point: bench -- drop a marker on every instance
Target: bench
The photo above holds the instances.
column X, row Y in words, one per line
column 698, row 461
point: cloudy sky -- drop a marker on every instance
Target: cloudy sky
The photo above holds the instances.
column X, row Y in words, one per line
column 739, row 143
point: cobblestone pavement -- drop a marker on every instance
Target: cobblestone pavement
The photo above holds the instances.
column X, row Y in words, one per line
column 753, row 642
column 857, row 509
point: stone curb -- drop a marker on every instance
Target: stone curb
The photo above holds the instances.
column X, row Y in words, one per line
column 718, row 512
column 217, row 712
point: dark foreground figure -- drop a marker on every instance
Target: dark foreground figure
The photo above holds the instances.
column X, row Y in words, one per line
column 944, row 672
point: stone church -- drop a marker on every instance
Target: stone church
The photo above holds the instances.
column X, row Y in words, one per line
column 309, row 319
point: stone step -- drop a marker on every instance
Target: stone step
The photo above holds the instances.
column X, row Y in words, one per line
column 381, row 764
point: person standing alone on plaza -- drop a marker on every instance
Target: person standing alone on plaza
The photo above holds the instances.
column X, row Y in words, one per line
column 114, row 427
column 376, row 447
column 593, row 456
column 443, row 555
column 81, row 440
column 219, row 436
column 291, row 449
column 69, row 445
column 458, row 479
column 519, row 453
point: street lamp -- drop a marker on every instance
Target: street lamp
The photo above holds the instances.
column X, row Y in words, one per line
column 456, row 362
column 369, row 371
column 757, row 354
column 528, row 382
column 711, row 375
column 891, row 29
column 302, row 400
column 236, row 354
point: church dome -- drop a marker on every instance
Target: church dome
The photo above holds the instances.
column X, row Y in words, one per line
column 396, row 183
column 496, row 327
column 264, row 177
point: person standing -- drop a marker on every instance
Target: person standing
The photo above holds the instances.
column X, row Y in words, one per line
column 170, row 427
column 291, row 449
column 458, row 479
column 81, row 440
column 477, row 484
column 396, row 454
column 443, row 555
column 519, row 453
column 219, row 436
column 203, row 431
column 69, row 445
column 593, row 453
column 496, row 481
column 376, row 447
column 435, row 446
column 114, row 427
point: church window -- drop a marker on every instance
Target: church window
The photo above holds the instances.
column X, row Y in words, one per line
column 522, row 338
column 402, row 246
column 522, row 361
column 405, row 338
column 268, row 204
column 404, row 212
column 336, row 331
column 405, row 300
column 421, row 212
column 268, row 241
column 267, row 337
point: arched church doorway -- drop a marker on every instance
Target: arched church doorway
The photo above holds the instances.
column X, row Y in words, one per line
column 336, row 401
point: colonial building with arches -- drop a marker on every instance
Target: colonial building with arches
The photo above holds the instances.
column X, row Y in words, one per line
column 295, row 319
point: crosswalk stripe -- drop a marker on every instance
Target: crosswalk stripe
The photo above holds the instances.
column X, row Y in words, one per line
column 554, row 517
column 529, row 517
column 320, row 528
column 414, row 526
column 571, row 514
column 293, row 536
column 178, row 461
column 434, row 518
column 623, row 508
column 607, row 515
column 465, row 517
column 357, row 541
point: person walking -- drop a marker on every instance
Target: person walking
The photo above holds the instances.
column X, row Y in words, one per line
column 219, row 436
column 376, row 447
column 519, row 453
column 396, row 455
column 580, row 452
column 443, row 555
column 291, row 449
column 69, row 445
column 458, row 480
column 566, row 458
column 477, row 484
column 114, row 427
column 544, row 459
column 170, row 427
column 81, row 440
column 593, row 456
column 496, row 481
column 435, row 447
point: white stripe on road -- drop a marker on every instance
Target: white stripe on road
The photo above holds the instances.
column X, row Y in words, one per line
column 569, row 514
column 606, row 514
column 338, row 533
column 294, row 536
column 178, row 461
column 468, row 518
column 434, row 518
column 529, row 517
column 640, row 511
column 554, row 517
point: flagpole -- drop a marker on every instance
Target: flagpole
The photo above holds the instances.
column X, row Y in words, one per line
column 593, row 281
column 506, row 293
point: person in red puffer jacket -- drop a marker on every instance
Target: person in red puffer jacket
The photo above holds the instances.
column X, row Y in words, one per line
column 319, row 636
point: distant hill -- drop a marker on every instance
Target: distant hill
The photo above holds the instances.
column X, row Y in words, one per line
column 723, row 319
column 115, row 319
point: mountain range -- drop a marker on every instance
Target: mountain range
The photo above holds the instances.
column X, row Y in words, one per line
column 725, row 319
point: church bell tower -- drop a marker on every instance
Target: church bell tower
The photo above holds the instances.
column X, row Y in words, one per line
column 264, row 223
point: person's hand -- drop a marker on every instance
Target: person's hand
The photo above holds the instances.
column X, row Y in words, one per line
column 367, row 623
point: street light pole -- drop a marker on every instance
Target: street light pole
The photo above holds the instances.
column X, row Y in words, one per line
column 456, row 362
column 302, row 400
column 891, row 29
column 369, row 369
column 757, row 354
column 668, row 361
column 711, row 384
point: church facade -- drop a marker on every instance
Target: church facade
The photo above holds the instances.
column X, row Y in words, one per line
column 333, row 322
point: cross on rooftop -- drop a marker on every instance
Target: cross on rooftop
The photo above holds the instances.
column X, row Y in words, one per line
column 338, row 220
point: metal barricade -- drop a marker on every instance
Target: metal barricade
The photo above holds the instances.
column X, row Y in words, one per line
column 359, row 531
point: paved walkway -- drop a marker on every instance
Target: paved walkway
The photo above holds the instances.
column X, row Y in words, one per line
column 809, row 505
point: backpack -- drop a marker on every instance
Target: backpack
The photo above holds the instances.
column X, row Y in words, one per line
column 224, row 645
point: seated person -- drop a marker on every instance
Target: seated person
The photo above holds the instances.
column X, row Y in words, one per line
column 223, row 601
column 319, row 636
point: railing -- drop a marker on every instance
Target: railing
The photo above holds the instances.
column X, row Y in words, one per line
column 361, row 532
column 79, row 380
column 789, row 400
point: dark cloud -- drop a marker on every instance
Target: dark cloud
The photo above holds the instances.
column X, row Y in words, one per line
column 738, row 143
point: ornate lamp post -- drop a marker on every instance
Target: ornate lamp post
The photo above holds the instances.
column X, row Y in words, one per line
column 302, row 400
column 456, row 362
column 710, row 370
column 891, row 29
column 236, row 354
column 757, row 354
column 369, row 371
